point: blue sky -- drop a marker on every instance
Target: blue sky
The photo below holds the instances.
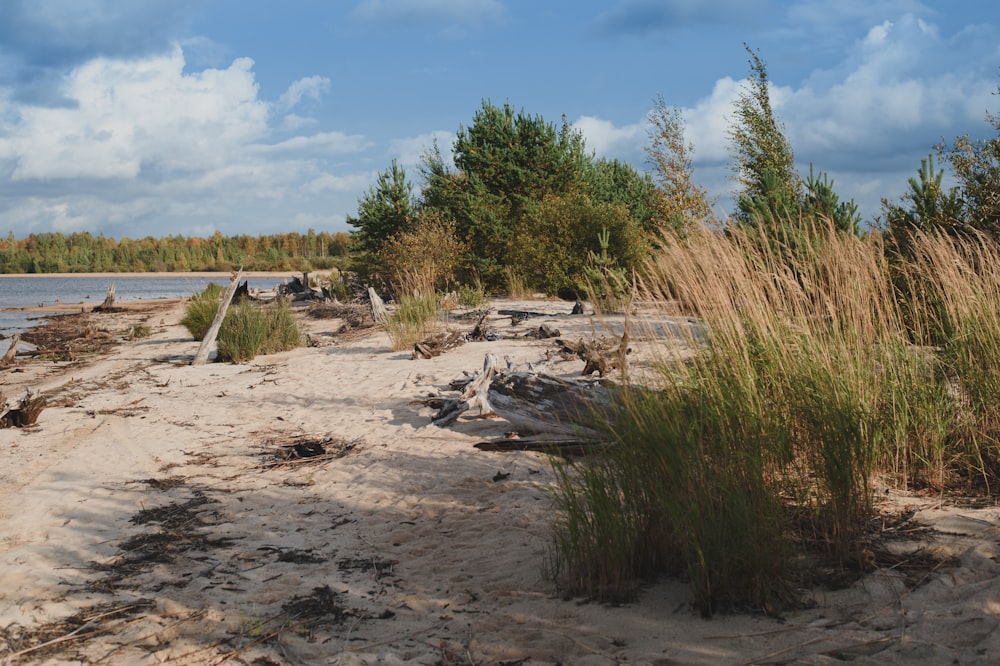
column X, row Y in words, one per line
column 166, row 117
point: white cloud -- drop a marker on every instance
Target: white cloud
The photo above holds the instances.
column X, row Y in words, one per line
column 147, row 146
column 131, row 114
column 606, row 139
column 409, row 152
column 867, row 121
column 311, row 87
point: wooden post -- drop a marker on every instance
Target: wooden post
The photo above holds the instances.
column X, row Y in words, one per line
column 213, row 331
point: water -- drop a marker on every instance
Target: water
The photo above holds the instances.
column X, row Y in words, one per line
column 30, row 291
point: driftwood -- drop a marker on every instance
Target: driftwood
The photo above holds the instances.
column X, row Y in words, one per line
column 476, row 394
column 213, row 331
column 437, row 344
column 533, row 403
column 543, row 332
column 601, row 356
column 379, row 315
column 8, row 358
column 25, row 414
column 109, row 302
column 560, row 447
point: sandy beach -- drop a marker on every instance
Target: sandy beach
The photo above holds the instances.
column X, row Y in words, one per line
column 161, row 512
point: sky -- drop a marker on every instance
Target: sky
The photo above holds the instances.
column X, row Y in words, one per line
column 166, row 117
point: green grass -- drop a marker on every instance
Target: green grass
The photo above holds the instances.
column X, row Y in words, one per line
column 201, row 310
column 413, row 320
column 251, row 329
column 812, row 383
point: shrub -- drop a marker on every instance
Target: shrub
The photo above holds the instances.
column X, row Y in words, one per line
column 201, row 309
column 250, row 329
column 413, row 320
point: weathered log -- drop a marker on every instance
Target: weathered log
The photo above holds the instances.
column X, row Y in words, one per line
column 554, row 447
column 379, row 314
column 25, row 414
column 109, row 300
column 543, row 333
column 8, row 358
column 601, row 355
column 476, row 394
column 533, row 403
column 213, row 331
column 437, row 344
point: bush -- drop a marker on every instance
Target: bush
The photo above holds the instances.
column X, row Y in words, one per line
column 250, row 329
column 201, row 309
column 413, row 320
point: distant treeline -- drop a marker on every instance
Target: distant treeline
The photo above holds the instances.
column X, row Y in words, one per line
column 85, row 253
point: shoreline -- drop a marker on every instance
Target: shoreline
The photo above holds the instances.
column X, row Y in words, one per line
column 165, row 504
column 161, row 274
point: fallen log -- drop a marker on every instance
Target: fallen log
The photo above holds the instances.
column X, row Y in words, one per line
column 534, row 404
column 437, row 344
column 554, row 447
column 476, row 394
column 601, row 355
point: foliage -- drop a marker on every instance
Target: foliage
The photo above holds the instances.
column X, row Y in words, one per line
column 386, row 209
column 617, row 183
column 200, row 310
column 429, row 249
column 607, row 283
column 679, row 201
column 82, row 252
column 251, row 329
column 765, row 165
column 764, row 445
column 557, row 236
column 821, row 202
column 507, row 162
column 977, row 168
column 926, row 207
column 414, row 318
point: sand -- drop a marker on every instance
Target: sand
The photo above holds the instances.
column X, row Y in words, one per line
column 151, row 517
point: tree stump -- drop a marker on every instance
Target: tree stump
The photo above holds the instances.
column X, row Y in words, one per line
column 379, row 314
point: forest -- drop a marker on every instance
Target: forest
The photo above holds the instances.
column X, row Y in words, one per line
column 83, row 252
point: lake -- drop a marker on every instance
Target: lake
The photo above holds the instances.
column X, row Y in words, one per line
column 40, row 291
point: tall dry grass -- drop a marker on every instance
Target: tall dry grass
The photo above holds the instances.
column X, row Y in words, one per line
column 814, row 379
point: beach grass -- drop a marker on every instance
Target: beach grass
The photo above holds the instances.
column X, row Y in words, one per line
column 814, row 381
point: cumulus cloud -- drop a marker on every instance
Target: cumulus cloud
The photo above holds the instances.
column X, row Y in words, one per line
column 621, row 142
column 409, row 152
column 47, row 33
column 144, row 139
